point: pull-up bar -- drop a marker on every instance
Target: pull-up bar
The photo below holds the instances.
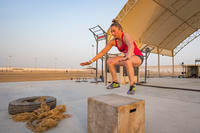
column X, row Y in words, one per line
column 99, row 34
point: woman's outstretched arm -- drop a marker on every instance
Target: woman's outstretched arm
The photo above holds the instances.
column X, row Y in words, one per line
column 100, row 54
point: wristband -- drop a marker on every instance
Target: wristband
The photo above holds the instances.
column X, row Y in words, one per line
column 91, row 61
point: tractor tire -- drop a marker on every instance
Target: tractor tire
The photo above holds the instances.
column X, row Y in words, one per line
column 27, row 104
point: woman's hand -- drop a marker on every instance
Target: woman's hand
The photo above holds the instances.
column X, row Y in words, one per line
column 85, row 63
column 124, row 58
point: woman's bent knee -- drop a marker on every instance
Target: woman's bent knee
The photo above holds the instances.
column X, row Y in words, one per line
column 110, row 61
column 127, row 63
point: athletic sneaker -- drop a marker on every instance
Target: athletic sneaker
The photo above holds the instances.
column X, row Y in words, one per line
column 113, row 85
column 131, row 91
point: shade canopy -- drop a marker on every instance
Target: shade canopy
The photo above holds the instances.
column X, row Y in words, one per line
column 161, row 25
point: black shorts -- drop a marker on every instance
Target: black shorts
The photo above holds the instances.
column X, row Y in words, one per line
column 141, row 57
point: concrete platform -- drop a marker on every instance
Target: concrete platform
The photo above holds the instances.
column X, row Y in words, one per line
column 167, row 111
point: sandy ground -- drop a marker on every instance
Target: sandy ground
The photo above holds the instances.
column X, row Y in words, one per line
column 31, row 74
column 40, row 76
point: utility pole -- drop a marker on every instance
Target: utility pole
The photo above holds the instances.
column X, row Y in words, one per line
column 35, row 63
column 9, row 58
column 55, row 62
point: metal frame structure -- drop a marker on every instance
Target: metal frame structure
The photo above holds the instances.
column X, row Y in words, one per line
column 186, row 41
column 146, row 50
column 197, row 60
column 99, row 35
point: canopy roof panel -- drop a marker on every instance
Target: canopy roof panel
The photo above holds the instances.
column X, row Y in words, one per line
column 162, row 24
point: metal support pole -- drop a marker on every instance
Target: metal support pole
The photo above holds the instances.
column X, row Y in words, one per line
column 102, row 69
column 145, row 76
column 172, row 63
column 106, row 67
column 158, row 51
column 96, row 62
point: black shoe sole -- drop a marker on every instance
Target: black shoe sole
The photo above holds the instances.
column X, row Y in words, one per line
column 112, row 88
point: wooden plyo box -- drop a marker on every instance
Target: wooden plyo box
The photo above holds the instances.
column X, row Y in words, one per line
column 113, row 113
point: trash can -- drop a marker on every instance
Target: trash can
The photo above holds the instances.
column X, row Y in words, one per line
column 113, row 113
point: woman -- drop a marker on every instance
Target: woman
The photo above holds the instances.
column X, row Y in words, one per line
column 133, row 56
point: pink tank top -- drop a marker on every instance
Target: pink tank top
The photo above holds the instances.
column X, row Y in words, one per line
column 124, row 47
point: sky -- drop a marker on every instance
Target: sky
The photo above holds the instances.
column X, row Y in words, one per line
column 55, row 33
